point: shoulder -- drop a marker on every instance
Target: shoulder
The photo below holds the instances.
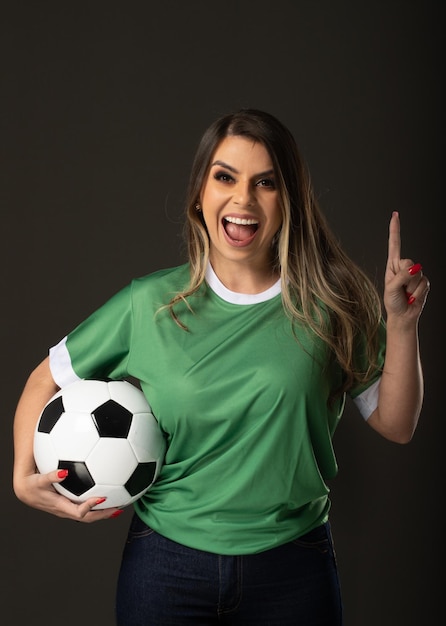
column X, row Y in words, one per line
column 170, row 275
column 164, row 282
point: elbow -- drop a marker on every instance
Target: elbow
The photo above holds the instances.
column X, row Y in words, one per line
column 18, row 491
column 401, row 438
column 400, row 431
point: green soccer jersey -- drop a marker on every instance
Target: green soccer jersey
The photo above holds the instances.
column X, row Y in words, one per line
column 243, row 403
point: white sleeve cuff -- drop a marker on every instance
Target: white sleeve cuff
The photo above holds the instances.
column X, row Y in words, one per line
column 60, row 364
column 367, row 401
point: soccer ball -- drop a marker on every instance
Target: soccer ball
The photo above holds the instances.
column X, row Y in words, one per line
column 105, row 434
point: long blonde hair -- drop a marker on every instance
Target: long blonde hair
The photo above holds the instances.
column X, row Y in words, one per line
column 322, row 288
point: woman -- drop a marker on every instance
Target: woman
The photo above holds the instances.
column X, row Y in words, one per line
column 245, row 354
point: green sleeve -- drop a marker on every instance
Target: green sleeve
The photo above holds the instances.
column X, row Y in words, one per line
column 100, row 345
column 356, row 391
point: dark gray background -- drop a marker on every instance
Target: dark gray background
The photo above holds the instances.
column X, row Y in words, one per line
column 103, row 104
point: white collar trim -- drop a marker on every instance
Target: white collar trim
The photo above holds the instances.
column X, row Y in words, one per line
column 234, row 297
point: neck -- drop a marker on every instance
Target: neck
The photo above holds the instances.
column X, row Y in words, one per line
column 245, row 279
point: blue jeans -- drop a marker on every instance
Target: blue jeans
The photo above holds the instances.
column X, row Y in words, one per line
column 163, row 583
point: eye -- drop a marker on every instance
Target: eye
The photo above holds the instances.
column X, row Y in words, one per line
column 269, row 183
column 223, row 177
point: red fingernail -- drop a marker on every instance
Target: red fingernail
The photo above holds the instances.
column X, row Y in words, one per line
column 62, row 473
column 100, row 500
column 414, row 269
column 410, row 298
column 117, row 513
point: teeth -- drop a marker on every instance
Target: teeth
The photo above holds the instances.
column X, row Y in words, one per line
column 243, row 222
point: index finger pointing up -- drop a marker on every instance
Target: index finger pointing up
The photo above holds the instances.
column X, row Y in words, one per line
column 394, row 253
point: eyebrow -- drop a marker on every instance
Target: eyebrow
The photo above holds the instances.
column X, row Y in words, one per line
column 232, row 169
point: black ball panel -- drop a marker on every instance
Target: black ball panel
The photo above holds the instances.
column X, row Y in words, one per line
column 112, row 420
column 79, row 479
column 50, row 415
column 141, row 477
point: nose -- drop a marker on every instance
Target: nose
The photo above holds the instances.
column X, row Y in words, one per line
column 243, row 194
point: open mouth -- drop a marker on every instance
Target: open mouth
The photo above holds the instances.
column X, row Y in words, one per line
column 240, row 231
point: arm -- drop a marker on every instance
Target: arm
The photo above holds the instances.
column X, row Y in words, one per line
column 401, row 386
column 32, row 488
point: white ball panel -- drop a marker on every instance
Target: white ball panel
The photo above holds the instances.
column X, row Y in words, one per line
column 129, row 396
column 45, row 455
column 74, row 436
column 146, row 438
column 116, row 495
column 112, row 461
column 85, row 395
